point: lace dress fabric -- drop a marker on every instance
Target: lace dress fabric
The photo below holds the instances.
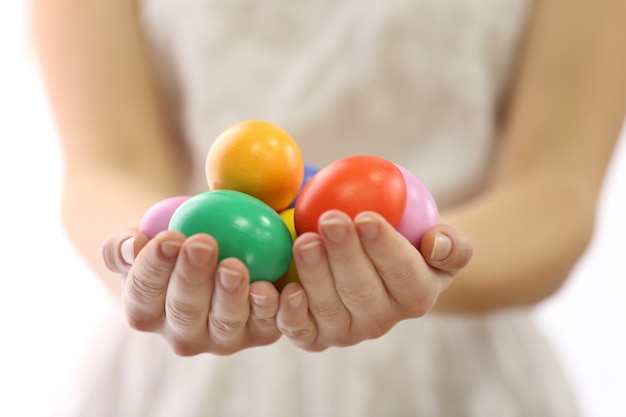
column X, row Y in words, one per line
column 416, row 81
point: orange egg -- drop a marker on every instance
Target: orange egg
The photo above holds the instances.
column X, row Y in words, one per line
column 258, row 158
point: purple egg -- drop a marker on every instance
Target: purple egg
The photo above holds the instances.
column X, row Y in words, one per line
column 421, row 211
column 157, row 218
column 309, row 171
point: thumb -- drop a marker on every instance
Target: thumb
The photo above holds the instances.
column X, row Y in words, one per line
column 446, row 247
column 120, row 249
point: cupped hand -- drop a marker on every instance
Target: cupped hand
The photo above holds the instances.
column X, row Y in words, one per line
column 360, row 277
column 174, row 286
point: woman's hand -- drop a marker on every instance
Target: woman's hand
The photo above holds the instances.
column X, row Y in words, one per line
column 359, row 278
column 175, row 287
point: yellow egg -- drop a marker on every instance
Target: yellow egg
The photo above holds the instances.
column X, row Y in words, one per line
column 291, row 275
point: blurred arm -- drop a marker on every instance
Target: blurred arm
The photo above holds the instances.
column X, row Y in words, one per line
column 565, row 112
column 119, row 157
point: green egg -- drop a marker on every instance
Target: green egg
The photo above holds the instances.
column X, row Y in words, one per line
column 243, row 226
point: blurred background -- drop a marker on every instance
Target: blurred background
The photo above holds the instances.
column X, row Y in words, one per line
column 49, row 302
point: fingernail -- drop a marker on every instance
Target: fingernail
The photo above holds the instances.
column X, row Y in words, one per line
column 311, row 252
column 258, row 300
column 128, row 250
column 229, row 278
column 441, row 248
column 170, row 249
column 199, row 253
column 334, row 229
column 296, row 299
column 367, row 227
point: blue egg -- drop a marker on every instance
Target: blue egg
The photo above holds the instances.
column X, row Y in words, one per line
column 309, row 171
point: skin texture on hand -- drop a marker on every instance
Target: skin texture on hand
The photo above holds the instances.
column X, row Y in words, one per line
column 175, row 287
column 359, row 278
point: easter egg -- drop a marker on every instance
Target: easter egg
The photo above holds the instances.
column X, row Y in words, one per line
column 244, row 228
column 309, row 171
column 157, row 218
column 291, row 275
column 421, row 211
column 287, row 217
column 258, row 158
column 352, row 185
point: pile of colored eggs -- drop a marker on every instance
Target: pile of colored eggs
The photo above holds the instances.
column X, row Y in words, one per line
column 262, row 195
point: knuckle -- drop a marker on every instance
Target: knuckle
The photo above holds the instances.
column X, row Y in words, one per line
column 343, row 340
column 190, row 281
column 141, row 321
column 399, row 273
column 184, row 348
column 143, row 286
column 315, row 348
column 359, row 295
column 328, row 311
column 263, row 322
column 182, row 314
column 377, row 331
column 225, row 327
column 299, row 333
column 264, row 313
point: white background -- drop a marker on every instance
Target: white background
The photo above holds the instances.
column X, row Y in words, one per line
column 49, row 302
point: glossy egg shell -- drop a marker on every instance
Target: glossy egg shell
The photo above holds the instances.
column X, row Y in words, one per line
column 421, row 212
column 287, row 217
column 244, row 228
column 291, row 275
column 309, row 171
column 258, row 158
column 157, row 218
column 353, row 184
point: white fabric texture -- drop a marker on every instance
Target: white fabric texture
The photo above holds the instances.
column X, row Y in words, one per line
column 415, row 81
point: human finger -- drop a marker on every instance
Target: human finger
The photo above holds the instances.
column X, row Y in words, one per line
column 230, row 306
column 263, row 309
column 189, row 293
column 406, row 276
column 446, row 248
column 294, row 319
column 145, row 285
column 331, row 316
column 120, row 249
column 357, row 281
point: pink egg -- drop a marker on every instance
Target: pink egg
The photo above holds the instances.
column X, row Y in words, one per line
column 157, row 218
column 421, row 211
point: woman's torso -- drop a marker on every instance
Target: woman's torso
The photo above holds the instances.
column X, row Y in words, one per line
column 416, row 81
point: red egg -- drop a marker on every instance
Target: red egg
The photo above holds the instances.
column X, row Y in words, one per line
column 353, row 184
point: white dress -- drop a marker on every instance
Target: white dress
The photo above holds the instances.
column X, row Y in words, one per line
column 416, row 81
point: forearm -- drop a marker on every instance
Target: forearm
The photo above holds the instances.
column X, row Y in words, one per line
column 527, row 237
column 117, row 144
column 566, row 108
column 103, row 202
